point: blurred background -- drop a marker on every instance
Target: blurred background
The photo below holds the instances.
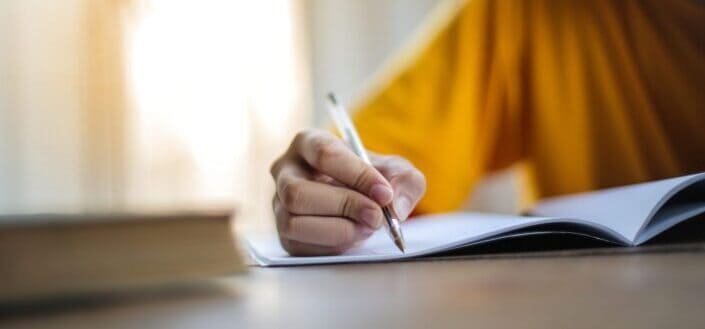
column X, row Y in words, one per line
column 108, row 105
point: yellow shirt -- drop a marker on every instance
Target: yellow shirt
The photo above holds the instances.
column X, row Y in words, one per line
column 587, row 94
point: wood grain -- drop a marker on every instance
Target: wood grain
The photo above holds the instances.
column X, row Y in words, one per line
column 661, row 288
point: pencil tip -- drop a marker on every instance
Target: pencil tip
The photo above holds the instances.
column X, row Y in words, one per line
column 400, row 244
column 331, row 96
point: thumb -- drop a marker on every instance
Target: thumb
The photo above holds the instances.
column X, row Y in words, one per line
column 408, row 183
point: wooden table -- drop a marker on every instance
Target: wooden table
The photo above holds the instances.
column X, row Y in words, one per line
column 659, row 288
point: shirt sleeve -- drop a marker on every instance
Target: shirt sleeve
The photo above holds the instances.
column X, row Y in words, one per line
column 455, row 108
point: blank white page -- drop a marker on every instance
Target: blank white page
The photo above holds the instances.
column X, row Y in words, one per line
column 623, row 209
column 423, row 235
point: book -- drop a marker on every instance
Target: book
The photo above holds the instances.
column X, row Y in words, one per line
column 47, row 256
column 622, row 216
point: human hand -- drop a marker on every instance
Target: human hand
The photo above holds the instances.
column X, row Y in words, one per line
column 327, row 199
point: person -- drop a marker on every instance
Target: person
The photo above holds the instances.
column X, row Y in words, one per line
column 581, row 94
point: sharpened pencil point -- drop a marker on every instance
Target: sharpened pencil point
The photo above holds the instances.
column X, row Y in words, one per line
column 400, row 244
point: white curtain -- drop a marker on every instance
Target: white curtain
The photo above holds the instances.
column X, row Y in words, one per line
column 220, row 88
column 181, row 104
column 61, row 102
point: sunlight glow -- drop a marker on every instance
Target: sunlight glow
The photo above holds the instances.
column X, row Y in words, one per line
column 202, row 73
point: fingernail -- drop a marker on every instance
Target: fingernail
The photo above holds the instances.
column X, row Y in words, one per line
column 381, row 193
column 371, row 217
column 402, row 206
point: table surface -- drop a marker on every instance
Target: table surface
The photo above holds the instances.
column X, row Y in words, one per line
column 651, row 288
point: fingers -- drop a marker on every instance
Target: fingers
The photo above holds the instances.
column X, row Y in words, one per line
column 409, row 183
column 330, row 156
column 328, row 199
column 313, row 235
column 304, row 197
column 296, row 248
column 323, row 231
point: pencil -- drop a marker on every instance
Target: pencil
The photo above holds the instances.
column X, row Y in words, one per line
column 351, row 137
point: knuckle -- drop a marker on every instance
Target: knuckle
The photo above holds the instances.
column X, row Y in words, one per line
column 281, row 218
column 274, row 168
column 290, row 193
column 300, row 137
column 325, row 150
column 285, row 226
column 364, row 176
column 347, row 206
column 279, row 212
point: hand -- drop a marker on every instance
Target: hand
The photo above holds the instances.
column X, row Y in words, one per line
column 327, row 199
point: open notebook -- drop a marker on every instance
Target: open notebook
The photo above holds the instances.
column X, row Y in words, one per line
column 627, row 216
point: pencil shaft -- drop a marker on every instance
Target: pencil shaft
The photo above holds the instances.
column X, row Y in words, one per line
column 352, row 138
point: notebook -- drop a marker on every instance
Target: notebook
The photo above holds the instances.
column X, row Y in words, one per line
column 624, row 216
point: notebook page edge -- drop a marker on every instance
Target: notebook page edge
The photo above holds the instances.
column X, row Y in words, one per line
column 570, row 205
column 499, row 234
column 642, row 236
